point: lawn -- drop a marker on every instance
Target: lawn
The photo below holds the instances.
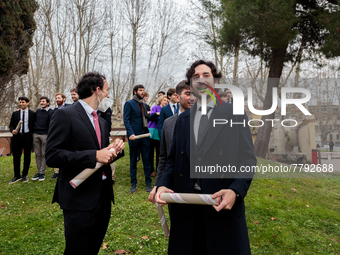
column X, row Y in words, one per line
column 285, row 216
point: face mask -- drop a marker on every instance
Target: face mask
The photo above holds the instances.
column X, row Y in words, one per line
column 105, row 103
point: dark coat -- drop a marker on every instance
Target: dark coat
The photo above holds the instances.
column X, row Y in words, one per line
column 226, row 231
column 71, row 146
column 133, row 119
column 14, row 122
column 165, row 113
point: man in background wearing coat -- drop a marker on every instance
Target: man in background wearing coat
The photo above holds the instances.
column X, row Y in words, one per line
column 201, row 229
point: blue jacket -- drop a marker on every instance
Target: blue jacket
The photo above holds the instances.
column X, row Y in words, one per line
column 133, row 119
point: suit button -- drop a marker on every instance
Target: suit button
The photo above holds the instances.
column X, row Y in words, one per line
column 220, row 153
column 180, row 175
column 199, row 159
column 182, row 152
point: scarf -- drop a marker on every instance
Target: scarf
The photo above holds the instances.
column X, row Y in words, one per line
column 142, row 109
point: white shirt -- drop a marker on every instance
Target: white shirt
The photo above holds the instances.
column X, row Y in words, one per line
column 26, row 121
column 88, row 109
column 172, row 107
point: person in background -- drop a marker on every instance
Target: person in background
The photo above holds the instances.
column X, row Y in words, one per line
column 136, row 123
column 153, row 130
column 74, row 95
column 42, row 123
column 169, row 110
column 145, row 99
column 60, row 99
column 22, row 139
column 161, row 93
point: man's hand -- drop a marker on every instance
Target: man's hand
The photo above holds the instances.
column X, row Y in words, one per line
column 160, row 190
column 118, row 144
column 152, row 195
column 228, row 199
column 158, row 113
column 14, row 132
column 132, row 137
column 105, row 156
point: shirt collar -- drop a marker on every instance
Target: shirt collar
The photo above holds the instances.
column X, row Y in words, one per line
column 211, row 104
column 88, row 109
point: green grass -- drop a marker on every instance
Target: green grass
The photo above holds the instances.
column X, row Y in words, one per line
column 307, row 219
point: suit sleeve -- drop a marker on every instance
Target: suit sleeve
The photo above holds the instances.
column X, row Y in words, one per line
column 59, row 151
column 161, row 121
column 167, row 178
column 162, row 159
column 246, row 158
column 127, row 119
column 12, row 124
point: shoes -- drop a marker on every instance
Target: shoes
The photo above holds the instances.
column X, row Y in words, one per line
column 15, row 179
column 24, row 179
column 41, row 177
column 55, row 176
column 35, row 177
column 133, row 188
column 152, row 174
column 148, row 188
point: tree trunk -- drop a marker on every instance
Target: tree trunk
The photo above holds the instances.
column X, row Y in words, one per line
column 263, row 135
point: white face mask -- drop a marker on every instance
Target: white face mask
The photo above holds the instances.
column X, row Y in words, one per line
column 105, row 103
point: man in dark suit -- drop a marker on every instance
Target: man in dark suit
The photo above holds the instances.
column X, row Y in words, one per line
column 22, row 138
column 136, row 123
column 80, row 142
column 183, row 90
column 169, row 110
column 219, row 229
column 60, row 99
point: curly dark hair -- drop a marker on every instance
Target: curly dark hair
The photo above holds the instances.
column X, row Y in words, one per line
column 24, row 99
column 191, row 70
column 89, row 83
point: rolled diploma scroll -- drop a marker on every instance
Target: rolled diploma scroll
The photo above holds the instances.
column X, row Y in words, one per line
column 163, row 220
column 86, row 173
column 18, row 126
column 142, row 136
column 188, row 198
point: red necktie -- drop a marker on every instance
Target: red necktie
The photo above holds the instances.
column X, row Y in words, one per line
column 96, row 125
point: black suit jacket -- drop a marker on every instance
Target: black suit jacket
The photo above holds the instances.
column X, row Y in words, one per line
column 226, row 231
column 15, row 120
column 71, row 146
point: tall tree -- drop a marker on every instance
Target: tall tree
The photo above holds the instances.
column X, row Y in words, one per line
column 275, row 30
column 17, row 27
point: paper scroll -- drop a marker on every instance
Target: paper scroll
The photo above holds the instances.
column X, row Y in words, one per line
column 86, row 173
column 18, row 126
column 188, row 198
column 142, row 136
column 163, row 220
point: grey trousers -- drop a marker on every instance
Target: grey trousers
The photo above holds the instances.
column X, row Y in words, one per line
column 39, row 145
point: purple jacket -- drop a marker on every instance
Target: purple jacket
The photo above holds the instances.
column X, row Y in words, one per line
column 154, row 123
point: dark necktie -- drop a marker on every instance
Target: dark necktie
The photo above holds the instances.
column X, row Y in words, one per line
column 202, row 126
column 23, row 122
column 175, row 109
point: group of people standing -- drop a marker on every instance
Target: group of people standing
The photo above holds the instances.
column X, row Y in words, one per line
column 187, row 137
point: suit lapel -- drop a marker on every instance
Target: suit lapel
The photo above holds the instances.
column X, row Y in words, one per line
column 87, row 122
column 102, row 123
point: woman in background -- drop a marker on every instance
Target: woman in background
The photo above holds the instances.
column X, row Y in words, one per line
column 153, row 129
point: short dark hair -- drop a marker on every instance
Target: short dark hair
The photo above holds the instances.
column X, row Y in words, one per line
column 161, row 92
column 210, row 64
column 46, row 98
column 170, row 92
column 24, row 98
column 89, row 83
column 136, row 87
column 223, row 94
column 74, row 90
column 182, row 86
